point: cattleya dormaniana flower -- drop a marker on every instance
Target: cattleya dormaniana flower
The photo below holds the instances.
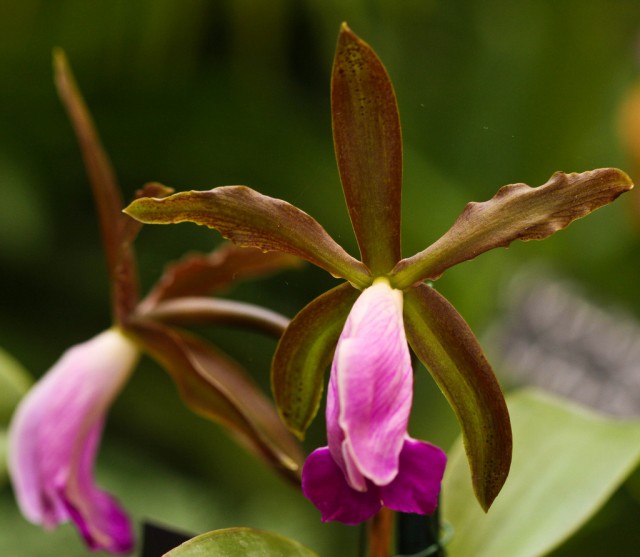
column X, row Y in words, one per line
column 370, row 460
column 55, row 432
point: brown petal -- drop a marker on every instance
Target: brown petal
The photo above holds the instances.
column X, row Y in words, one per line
column 368, row 144
column 106, row 192
column 201, row 274
column 217, row 388
column 251, row 219
column 150, row 189
column 516, row 212
column 450, row 351
column 198, row 310
column 304, row 353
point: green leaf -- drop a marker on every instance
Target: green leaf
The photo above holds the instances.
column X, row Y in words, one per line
column 515, row 212
column 450, row 351
column 251, row 219
column 368, row 145
column 240, row 542
column 196, row 310
column 567, row 462
column 106, row 192
column 304, row 353
column 202, row 274
column 217, row 388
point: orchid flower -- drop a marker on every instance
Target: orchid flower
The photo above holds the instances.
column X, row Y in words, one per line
column 55, row 432
column 370, row 460
column 54, row 436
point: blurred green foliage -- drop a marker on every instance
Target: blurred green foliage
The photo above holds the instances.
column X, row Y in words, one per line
column 557, row 480
column 197, row 94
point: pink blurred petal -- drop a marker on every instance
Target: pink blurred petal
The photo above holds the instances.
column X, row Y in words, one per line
column 99, row 518
column 417, row 485
column 54, row 436
column 374, row 382
column 324, row 484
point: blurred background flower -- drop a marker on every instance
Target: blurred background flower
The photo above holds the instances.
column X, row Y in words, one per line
column 198, row 94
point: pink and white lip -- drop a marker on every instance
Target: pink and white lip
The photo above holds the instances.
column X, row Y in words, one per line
column 370, row 460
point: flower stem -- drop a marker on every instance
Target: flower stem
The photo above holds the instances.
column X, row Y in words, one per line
column 380, row 529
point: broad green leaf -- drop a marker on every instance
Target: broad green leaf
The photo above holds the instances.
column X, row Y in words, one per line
column 217, row 388
column 251, row 219
column 450, row 351
column 106, row 192
column 567, row 462
column 304, row 353
column 201, row 274
column 197, row 310
column 516, row 212
column 240, row 542
column 368, row 145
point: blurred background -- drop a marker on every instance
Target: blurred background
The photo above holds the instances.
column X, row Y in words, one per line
column 197, row 94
